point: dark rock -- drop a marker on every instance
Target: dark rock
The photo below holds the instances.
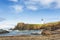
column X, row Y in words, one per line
column 3, row 31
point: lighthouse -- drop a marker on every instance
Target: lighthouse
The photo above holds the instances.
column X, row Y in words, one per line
column 42, row 21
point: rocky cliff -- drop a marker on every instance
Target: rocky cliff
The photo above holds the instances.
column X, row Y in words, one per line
column 47, row 26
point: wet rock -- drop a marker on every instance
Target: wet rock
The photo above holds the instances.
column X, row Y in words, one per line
column 3, row 31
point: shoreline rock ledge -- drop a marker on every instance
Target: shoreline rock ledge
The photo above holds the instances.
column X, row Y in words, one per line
column 3, row 31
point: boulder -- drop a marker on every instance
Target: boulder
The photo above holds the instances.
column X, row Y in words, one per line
column 46, row 32
column 3, row 31
column 58, row 30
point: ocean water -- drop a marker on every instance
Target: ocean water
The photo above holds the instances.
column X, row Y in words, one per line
column 17, row 32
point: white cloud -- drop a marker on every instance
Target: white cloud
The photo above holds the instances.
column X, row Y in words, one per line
column 43, row 3
column 17, row 8
column 58, row 3
column 34, row 8
column 14, row 0
column 8, row 24
column 39, row 3
column 36, row 4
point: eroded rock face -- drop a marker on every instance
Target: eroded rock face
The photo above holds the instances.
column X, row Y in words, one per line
column 46, row 32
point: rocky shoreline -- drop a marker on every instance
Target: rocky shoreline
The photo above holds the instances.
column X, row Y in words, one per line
column 46, row 35
column 31, row 37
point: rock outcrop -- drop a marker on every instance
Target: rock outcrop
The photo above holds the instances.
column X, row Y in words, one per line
column 46, row 32
column 3, row 31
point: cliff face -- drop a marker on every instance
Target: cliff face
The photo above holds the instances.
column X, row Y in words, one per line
column 47, row 26
column 22, row 26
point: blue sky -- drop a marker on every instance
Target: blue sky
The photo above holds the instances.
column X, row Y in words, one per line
column 28, row 11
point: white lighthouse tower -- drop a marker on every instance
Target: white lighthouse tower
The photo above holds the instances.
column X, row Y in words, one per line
column 42, row 21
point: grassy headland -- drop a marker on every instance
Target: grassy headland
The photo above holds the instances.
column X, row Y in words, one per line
column 47, row 26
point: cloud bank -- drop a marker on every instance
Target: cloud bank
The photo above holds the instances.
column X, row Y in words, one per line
column 36, row 4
